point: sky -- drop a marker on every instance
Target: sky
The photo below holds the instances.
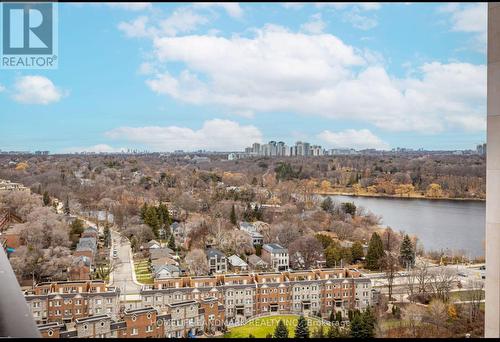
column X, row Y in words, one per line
column 220, row 76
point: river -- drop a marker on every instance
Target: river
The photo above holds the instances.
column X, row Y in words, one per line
column 439, row 224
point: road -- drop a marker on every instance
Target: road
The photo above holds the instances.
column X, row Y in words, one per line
column 122, row 275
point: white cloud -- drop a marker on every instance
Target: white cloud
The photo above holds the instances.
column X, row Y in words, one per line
column 215, row 135
column 181, row 20
column 233, row 9
column 36, row 90
column 366, row 6
column 360, row 21
column 2, row 88
column 470, row 18
column 350, row 138
column 293, row 5
column 279, row 70
column 315, row 25
column 95, row 148
column 130, row 6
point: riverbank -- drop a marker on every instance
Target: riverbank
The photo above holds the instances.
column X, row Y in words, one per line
column 411, row 196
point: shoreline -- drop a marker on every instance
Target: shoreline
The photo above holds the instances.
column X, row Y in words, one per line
column 342, row 193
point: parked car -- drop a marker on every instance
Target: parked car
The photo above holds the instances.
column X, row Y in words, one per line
column 115, row 253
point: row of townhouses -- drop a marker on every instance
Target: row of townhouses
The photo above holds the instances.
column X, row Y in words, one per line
column 185, row 306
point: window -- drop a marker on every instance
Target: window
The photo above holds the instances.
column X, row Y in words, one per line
column 36, row 305
column 149, row 315
column 134, row 317
column 109, row 300
column 98, row 301
column 85, row 327
column 149, row 328
column 102, row 323
column 134, row 331
column 50, row 332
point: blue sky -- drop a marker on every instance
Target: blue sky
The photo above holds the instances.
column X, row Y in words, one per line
column 217, row 76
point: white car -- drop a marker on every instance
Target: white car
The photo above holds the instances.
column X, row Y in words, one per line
column 115, row 253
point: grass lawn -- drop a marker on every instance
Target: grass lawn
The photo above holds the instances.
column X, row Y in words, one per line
column 463, row 295
column 142, row 272
column 263, row 326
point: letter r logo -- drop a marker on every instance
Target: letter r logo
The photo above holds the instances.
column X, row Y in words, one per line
column 27, row 28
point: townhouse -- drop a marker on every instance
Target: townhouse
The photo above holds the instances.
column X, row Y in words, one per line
column 67, row 301
column 189, row 306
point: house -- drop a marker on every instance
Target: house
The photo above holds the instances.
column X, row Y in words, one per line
column 87, row 242
column 178, row 230
column 90, row 232
column 163, row 252
column 252, row 231
column 164, row 261
column 166, row 271
column 256, row 263
column 217, row 261
column 80, row 268
column 237, row 264
column 153, row 244
column 276, row 256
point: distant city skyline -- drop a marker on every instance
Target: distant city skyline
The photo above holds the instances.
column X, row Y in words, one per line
column 220, row 76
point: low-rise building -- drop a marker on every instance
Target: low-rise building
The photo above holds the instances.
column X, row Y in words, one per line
column 276, row 256
column 237, row 264
column 217, row 261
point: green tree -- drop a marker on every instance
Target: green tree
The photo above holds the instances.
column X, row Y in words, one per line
column 151, row 219
column 357, row 251
column 357, row 327
column 144, row 209
column 75, row 230
column 334, row 332
column 66, row 206
column 46, row 198
column 164, row 214
column 338, row 316
column 349, row 208
column 407, row 252
column 258, row 250
column 302, row 329
column 233, row 216
column 332, row 316
column 375, row 252
column 325, row 240
column 327, row 204
column 335, row 254
column 107, row 236
column 281, row 331
column 171, row 242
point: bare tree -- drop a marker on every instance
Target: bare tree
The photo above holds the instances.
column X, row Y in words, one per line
column 441, row 282
column 413, row 313
column 196, row 261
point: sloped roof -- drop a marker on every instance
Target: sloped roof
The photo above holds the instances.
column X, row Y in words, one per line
column 236, row 261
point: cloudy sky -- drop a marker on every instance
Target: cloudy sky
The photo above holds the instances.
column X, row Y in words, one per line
column 218, row 76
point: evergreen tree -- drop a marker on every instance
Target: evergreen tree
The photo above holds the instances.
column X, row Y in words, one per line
column 107, row 236
column 281, row 331
column 171, row 242
column 233, row 216
column 357, row 251
column 332, row 316
column 46, row 198
column 164, row 214
column 302, row 329
column 144, row 208
column 375, row 252
column 151, row 219
column 407, row 252
column 338, row 316
column 369, row 323
column 66, row 206
column 357, row 327
column 327, row 204
column 349, row 208
column 75, row 230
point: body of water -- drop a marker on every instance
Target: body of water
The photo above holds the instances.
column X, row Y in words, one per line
column 440, row 225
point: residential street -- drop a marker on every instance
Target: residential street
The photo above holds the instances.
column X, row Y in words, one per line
column 123, row 275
